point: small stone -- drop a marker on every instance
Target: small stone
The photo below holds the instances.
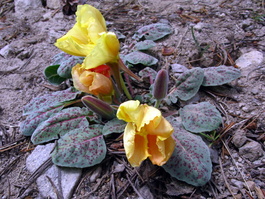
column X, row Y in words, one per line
column 25, row 6
column 251, row 185
column 239, row 138
column 95, row 175
column 145, row 192
column 53, row 4
column 251, row 151
column 249, row 61
column 7, row 51
column 177, row 69
column 255, row 91
column 237, row 183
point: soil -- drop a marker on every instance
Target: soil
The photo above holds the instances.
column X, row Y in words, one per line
column 226, row 29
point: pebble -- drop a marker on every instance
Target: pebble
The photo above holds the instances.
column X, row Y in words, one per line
column 251, row 151
column 25, row 6
column 249, row 61
column 239, row 138
column 95, row 175
column 53, row 4
column 251, row 185
column 7, row 51
column 237, row 183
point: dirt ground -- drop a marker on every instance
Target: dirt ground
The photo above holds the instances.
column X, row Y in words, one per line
column 227, row 28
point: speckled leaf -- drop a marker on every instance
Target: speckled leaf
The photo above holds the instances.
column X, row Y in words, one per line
column 66, row 66
column 80, row 148
column 148, row 74
column 145, row 45
column 200, row 117
column 52, row 76
column 153, row 31
column 190, row 161
column 188, row 84
column 214, row 76
column 60, row 123
column 171, row 98
column 49, row 101
column 140, row 58
column 59, row 58
column 28, row 126
column 114, row 126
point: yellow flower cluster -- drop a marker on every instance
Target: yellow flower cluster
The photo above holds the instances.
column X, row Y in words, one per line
column 89, row 38
column 147, row 134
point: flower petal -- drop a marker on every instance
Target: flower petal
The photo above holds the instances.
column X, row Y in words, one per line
column 163, row 129
column 159, row 150
column 128, row 111
column 135, row 145
column 106, row 50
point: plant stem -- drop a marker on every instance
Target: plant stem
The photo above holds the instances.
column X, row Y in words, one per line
column 157, row 103
column 124, row 88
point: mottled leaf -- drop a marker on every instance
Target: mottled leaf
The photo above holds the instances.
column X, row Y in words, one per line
column 200, row 117
column 66, row 66
column 137, row 57
column 190, row 161
column 52, row 76
column 61, row 123
column 215, row 76
column 148, row 74
column 153, row 31
column 28, row 126
column 188, row 84
column 114, row 126
column 171, row 98
column 145, row 45
column 49, row 101
column 59, row 58
column 81, row 147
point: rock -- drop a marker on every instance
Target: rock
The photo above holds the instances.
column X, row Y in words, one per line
column 7, row 51
column 95, row 174
column 176, row 188
column 145, row 192
column 177, row 69
column 239, row 138
column 53, row 4
column 249, row 61
column 251, row 151
column 69, row 176
column 26, row 6
column 251, row 185
column 237, row 183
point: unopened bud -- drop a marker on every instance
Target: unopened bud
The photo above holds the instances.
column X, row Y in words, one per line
column 101, row 108
column 161, row 84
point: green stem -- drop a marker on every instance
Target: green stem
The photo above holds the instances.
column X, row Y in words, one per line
column 157, row 103
column 124, row 88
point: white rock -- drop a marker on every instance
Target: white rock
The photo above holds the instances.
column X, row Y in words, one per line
column 26, row 6
column 7, row 51
column 69, row 176
column 249, row 61
column 251, row 151
column 53, row 4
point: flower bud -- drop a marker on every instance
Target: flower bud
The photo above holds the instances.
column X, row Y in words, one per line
column 161, row 84
column 101, row 108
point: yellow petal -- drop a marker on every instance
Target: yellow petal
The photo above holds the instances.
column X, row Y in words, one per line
column 75, row 42
column 90, row 18
column 163, row 129
column 106, row 50
column 128, row 111
column 160, row 151
column 135, row 146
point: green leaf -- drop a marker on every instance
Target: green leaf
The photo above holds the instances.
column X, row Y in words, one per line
column 215, row 76
column 145, row 45
column 188, row 84
column 61, row 123
column 190, row 161
column 66, row 66
column 140, row 58
column 153, row 32
column 114, row 126
column 50, row 101
column 200, row 117
column 81, row 147
column 52, row 76
column 28, row 126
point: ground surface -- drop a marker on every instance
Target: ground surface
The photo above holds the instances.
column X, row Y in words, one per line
column 229, row 28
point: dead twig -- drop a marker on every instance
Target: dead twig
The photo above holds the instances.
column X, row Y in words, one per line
column 134, row 188
column 55, row 189
column 224, row 177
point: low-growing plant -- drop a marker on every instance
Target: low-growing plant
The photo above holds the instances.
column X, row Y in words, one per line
column 99, row 104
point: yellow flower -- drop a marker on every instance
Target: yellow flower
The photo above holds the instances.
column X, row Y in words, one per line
column 147, row 134
column 91, row 82
column 105, row 51
column 81, row 39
